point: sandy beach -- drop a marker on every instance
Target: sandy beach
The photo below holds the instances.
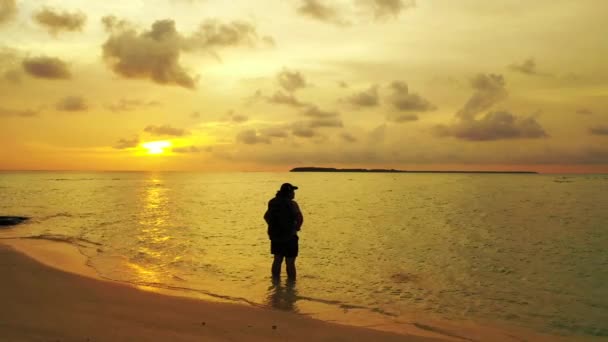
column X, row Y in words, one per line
column 41, row 303
column 49, row 294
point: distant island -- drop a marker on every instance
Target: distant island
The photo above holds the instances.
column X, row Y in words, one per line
column 332, row 169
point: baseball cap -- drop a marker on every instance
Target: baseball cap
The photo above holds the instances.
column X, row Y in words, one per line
column 285, row 187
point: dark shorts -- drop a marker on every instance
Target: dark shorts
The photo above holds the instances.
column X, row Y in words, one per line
column 288, row 249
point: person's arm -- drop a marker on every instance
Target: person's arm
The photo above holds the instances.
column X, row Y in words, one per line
column 299, row 217
column 267, row 214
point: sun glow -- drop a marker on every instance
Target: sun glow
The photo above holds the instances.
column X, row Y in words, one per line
column 156, row 147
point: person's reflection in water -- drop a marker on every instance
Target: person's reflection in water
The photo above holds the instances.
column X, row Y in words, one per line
column 283, row 296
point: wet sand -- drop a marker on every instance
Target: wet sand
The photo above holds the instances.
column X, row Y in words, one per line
column 43, row 303
column 49, row 294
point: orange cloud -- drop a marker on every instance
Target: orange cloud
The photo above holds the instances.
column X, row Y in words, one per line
column 315, row 9
column 127, row 143
column 165, row 130
column 155, row 54
column 46, row 67
column 366, row 98
column 24, row 113
column 252, row 137
column 403, row 100
column 56, row 21
column 291, row 80
column 494, row 126
column 72, row 104
column 489, row 89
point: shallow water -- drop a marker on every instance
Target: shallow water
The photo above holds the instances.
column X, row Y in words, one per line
column 524, row 250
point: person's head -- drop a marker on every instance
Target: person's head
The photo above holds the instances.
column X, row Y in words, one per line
column 288, row 190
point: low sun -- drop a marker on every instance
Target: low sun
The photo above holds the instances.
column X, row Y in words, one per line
column 156, row 147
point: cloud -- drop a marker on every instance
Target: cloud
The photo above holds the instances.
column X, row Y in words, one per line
column 275, row 132
column 489, row 89
column 125, row 105
column 155, row 54
column 186, row 149
column 599, row 130
column 10, row 65
column 584, row 111
column 401, row 117
column 127, row 143
column 113, row 24
column 251, row 137
column 237, row 118
column 316, row 112
column 366, row 98
column 23, row 113
column 213, row 34
column 317, row 10
column 152, row 54
column 378, row 9
column 165, row 130
column 280, row 97
column 72, row 104
column 308, row 128
column 384, row 9
column 13, row 76
column 56, row 22
column 291, row 80
column 403, row 100
column 494, row 126
column 527, row 67
column 325, row 122
column 46, row 67
column 303, row 131
column 348, row 137
column 8, row 9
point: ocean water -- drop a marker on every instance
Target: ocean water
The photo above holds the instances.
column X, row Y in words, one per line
column 522, row 250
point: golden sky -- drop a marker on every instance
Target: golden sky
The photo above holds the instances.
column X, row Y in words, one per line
column 269, row 85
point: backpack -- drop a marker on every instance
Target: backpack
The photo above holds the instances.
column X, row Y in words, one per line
column 281, row 219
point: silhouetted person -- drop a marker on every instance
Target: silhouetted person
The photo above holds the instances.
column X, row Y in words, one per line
column 284, row 220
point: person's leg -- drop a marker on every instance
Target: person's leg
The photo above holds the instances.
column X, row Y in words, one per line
column 291, row 268
column 276, row 265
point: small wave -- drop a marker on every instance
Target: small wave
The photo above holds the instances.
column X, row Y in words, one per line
column 439, row 331
column 403, row 277
column 63, row 238
column 72, row 179
column 346, row 306
column 564, row 179
column 81, row 179
column 188, row 289
column 48, row 217
column 577, row 328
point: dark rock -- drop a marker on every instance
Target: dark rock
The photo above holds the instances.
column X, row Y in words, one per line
column 11, row 220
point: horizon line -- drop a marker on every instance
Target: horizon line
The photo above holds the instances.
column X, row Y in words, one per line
column 289, row 171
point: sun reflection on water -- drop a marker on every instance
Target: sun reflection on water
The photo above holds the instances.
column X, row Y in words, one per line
column 143, row 274
column 153, row 233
